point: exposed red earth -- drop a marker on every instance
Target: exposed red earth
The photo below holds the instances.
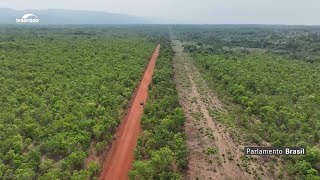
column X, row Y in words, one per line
column 120, row 158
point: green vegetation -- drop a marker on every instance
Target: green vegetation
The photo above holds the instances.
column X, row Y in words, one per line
column 291, row 42
column 212, row 150
column 62, row 90
column 273, row 74
column 161, row 150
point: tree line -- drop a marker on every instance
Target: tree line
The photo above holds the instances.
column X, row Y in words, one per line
column 161, row 149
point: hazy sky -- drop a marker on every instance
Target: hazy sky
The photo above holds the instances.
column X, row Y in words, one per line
column 193, row 11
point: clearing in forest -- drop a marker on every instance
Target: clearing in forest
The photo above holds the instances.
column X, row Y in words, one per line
column 212, row 153
column 121, row 156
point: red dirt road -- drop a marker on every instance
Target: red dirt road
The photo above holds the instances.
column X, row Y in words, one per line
column 121, row 156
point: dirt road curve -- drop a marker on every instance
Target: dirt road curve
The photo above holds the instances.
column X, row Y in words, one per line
column 121, row 156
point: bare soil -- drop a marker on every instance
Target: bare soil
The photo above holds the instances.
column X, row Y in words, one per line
column 212, row 153
column 120, row 158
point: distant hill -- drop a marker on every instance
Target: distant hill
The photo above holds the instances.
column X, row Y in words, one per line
column 59, row 16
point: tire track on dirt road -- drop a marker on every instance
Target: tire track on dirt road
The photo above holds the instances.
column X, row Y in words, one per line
column 119, row 161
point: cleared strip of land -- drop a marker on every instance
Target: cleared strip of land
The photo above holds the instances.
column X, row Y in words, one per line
column 212, row 153
column 121, row 156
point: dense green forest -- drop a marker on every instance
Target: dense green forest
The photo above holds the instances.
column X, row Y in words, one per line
column 161, row 151
column 273, row 73
column 291, row 42
column 62, row 89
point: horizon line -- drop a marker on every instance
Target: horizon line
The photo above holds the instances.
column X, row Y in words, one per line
column 179, row 22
